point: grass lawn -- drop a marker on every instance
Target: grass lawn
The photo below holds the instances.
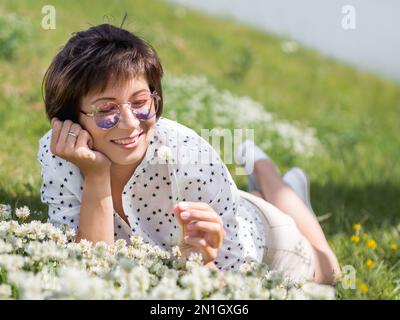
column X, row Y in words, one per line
column 354, row 115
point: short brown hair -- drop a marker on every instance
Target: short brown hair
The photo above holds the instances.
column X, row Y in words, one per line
column 90, row 60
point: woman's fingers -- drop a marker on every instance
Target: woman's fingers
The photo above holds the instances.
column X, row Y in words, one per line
column 203, row 221
column 211, row 216
column 203, row 228
column 186, row 205
column 208, row 253
column 67, row 146
column 56, row 126
column 71, row 140
column 64, row 133
column 63, row 143
column 83, row 145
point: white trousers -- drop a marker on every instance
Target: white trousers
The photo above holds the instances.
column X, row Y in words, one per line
column 287, row 250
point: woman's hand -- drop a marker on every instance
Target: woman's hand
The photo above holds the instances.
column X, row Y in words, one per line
column 77, row 150
column 203, row 229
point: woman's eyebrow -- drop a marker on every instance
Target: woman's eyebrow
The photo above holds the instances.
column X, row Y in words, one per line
column 139, row 91
column 112, row 98
column 102, row 98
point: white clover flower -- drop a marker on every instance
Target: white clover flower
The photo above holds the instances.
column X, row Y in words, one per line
column 70, row 234
column 22, row 213
column 49, row 282
column 86, row 247
column 120, row 244
column 136, row 241
column 199, row 281
column 5, row 247
column 167, row 288
column 29, row 285
column 5, row 291
column 126, row 264
column 78, row 284
column 274, row 276
column 17, row 243
column 164, row 154
column 176, row 252
column 278, row 293
column 289, row 46
column 45, row 251
column 12, row 262
column 100, row 248
column 194, row 260
column 254, row 286
column 5, row 212
column 234, row 285
column 245, row 267
column 318, row 291
column 137, row 282
column 158, row 269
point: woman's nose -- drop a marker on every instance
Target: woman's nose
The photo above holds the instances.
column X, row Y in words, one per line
column 128, row 119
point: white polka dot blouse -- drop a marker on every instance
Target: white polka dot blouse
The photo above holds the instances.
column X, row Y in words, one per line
column 194, row 172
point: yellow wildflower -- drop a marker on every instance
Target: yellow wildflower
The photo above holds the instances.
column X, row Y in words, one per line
column 363, row 288
column 365, row 236
column 369, row 264
column 357, row 227
column 372, row 244
column 355, row 238
column 393, row 247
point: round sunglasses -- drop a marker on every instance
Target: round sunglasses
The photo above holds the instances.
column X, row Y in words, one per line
column 107, row 114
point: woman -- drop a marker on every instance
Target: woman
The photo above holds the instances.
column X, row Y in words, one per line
column 104, row 173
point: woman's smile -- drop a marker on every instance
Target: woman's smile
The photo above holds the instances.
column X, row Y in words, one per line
column 130, row 142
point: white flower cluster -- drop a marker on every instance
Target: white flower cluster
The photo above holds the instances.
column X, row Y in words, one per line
column 193, row 101
column 21, row 213
column 40, row 261
column 5, row 212
column 289, row 46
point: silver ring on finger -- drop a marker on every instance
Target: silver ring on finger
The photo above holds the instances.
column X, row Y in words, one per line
column 72, row 134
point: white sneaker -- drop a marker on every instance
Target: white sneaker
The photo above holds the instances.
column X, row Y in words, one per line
column 298, row 181
column 247, row 154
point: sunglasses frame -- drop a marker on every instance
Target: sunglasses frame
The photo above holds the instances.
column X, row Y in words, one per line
column 154, row 98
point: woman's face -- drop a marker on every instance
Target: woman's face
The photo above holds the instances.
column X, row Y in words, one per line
column 128, row 125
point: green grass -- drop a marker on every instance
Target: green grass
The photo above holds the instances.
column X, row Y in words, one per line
column 355, row 115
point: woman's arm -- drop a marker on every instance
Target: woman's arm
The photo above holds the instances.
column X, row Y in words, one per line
column 96, row 209
column 96, row 215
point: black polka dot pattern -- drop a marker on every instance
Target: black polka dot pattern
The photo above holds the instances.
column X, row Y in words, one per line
column 155, row 187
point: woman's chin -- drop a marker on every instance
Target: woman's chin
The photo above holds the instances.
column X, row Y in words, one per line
column 131, row 158
column 127, row 160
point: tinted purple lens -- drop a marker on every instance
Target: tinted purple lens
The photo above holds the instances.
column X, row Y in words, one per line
column 147, row 111
column 107, row 122
column 144, row 114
